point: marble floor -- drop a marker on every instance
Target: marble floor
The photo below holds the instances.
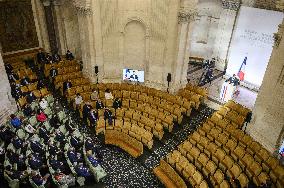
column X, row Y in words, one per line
column 246, row 97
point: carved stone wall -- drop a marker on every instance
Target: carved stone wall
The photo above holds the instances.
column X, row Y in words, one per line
column 17, row 27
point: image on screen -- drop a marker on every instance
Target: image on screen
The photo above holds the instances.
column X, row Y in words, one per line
column 133, row 75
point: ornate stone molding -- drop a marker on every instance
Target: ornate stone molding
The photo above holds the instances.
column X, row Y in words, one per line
column 83, row 7
column 186, row 16
column 278, row 36
column 231, row 4
column 280, row 5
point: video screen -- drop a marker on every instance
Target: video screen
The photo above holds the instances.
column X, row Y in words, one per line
column 133, row 75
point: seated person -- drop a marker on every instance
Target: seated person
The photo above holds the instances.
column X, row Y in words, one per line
column 40, row 84
column 12, row 156
column 75, row 141
column 67, row 85
column 56, row 57
column 53, row 72
column 6, row 134
column 44, row 134
column 27, row 110
column 93, row 116
column 15, row 121
column 41, row 57
column 49, row 58
column 89, row 144
column 99, row 104
column 17, row 142
column 29, row 128
column 108, row 95
column 35, row 162
column 43, row 103
column 15, row 174
column 8, row 68
column 78, row 100
column 16, row 91
column 82, row 170
column 64, row 179
column 69, row 127
column 59, row 136
column 21, row 163
column 69, row 55
column 108, row 116
column 94, row 95
column 38, row 179
column 25, row 81
column 92, row 159
column 54, row 121
column 52, row 148
column 41, row 117
column 31, row 97
column 74, row 156
column 117, row 103
column 56, row 164
column 13, row 77
column 37, row 147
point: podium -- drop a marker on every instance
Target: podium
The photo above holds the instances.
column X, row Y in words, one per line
column 227, row 91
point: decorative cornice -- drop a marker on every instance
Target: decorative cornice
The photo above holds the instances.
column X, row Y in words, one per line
column 231, row 4
column 280, row 5
column 83, row 7
column 279, row 35
column 186, row 16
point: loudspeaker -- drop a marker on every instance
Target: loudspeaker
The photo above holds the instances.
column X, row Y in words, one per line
column 169, row 77
column 96, row 69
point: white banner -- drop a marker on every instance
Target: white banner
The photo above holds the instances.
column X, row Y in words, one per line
column 253, row 38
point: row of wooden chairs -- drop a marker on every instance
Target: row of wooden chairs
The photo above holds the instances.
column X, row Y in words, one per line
column 125, row 142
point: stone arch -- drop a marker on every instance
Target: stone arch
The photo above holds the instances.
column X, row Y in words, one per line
column 131, row 19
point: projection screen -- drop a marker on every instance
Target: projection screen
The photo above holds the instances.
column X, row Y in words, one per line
column 253, row 38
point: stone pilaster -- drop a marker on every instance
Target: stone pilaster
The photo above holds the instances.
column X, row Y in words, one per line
column 268, row 114
column 225, row 31
column 59, row 29
column 185, row 20
column 85, row 20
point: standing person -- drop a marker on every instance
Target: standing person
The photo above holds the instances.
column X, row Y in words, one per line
column 93, row 117
column 208, row 76
column 66, row 85
column 69, row 55
column 86, row 110
column 40, row 57
column 53, row 72
column 247, row 120
column 99, row 104
column 56, row 58
column 108, row 116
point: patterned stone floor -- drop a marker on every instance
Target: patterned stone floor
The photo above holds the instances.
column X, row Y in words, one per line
column 125, row 171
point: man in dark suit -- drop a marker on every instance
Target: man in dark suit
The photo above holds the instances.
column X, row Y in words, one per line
column 43, row 133
column 75, row 142
column 37, row 147
column 13, row 77
column 8, row 68
column 56, row 164
column 6, row 134
column 86, row 111
column 93, row 117
column 54, row 121
column 15, row 91
column 74, row 156
column 59, row 136
column 35, row 162
column 56, row 57
column 67, row 85
column 108, row 116
column 82, row 170
column 17, row 142
column 69, row 55
column 27, row 110
column 53, row 149
column 99, row 104
column 13, row 157
column 31, row 97
column 117, row 103
column 41, row 57
column 25, row 81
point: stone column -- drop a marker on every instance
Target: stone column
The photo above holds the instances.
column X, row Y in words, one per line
column 59, row 26
column 86, row 29
column 7, row 103
column 267, row 126
column 50, row 25
column 225, row 32
column 180, row 68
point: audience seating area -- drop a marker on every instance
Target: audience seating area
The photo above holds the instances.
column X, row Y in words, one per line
column 125, row 142
column 219, row 151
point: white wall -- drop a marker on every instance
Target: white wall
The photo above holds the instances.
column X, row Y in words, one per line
column 253, row 37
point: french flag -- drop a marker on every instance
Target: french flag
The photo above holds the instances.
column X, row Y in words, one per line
column 241, row 73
